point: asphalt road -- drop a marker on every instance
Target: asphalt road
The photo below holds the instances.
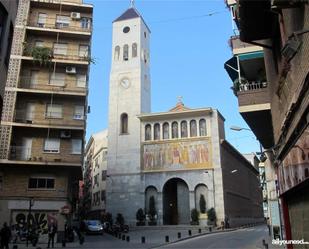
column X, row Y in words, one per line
column 247, row 238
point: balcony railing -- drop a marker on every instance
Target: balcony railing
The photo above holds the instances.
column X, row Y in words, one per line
column 82, row 25
column 38, row 154
column 57, row 85
column 252, row 86
column 56, row 53
column 57, row 118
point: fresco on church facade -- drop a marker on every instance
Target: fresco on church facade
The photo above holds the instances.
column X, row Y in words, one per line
column 177, row 155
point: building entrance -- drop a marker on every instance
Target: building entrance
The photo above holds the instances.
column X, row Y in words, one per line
column 176, row 207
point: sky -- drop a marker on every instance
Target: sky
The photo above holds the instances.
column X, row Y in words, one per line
column 188, row 49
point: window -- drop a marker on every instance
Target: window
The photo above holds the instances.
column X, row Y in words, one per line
column 124, row 123
column 76, row 146
column 202, row 124
column 60, row 48
column 147, row 132
column 125, row 52
column 39, row 44
column 79, row 112
column 174, row 130
column 193, row 131
column 166, row 131
column 42, row 19
column 53, row 111
column 62, row 21
column 41, row 183
column 85, row 23
column 117, row 53
column 184, row 129
column 103, row 176
column 156, row 132
column 145, row 34
column 134, row 50
column 83, row 51
column 81, row 80
column 52, row 145
column 103, row 195
column 57, row 79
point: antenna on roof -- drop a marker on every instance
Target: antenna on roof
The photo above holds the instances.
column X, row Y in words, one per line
column 132, row 3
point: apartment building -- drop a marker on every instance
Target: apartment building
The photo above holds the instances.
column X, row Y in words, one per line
column 8, row 10
column 44, row 113
column 282, row 29
column 95, row 176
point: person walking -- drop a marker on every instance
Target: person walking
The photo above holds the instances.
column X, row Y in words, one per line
column 52, row 230
column 5, row 236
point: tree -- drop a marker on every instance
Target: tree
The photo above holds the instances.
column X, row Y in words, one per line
column 194, row 216
column 152, row 208
column 140, row 216
column 212, row 217
column 202, row 204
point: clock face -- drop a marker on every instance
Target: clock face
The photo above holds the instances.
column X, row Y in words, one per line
column 125, row 83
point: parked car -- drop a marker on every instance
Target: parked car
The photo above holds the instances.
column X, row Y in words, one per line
column 93, row 227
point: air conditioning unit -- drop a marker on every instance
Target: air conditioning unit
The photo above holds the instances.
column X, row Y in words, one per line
column 65, row 134
column 70, row 70
column 75, row 15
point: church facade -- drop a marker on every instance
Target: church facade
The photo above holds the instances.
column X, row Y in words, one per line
column 177, row 156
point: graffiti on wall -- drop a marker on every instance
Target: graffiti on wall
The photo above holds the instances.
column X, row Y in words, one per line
column 38, row 222
column 294, row 169
column 177, row 155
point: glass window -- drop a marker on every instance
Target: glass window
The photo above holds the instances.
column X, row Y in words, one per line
column 83, row 51
column 134, row 50
column 81, row 80
column 156, row 132
column 62, row 21
column 202, row 124
column 125, row 52
column 79, row 112
column 193, row 130
column 41, row 183
column 57, row 79
column 124, row 123
column 76, row 146
column 52, row 145
column 85, row 23
column 53, row 111
column 184, row 129
column 60, row 48
column 39, row 44
column 174, row 130
column 42, row 19
column 117, row 53
column 166, row 131
column 147, row 132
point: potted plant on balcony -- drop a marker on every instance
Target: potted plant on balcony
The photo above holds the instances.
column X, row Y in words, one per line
column 152, row 213
column 42, row 55
column 140, row 217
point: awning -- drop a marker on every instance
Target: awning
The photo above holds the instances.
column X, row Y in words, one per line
column 231, row 68
column 248, row 56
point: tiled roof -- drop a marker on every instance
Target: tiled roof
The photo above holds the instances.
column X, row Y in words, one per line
column 128, row 14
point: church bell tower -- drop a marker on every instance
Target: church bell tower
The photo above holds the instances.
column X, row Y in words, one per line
column 129, row 96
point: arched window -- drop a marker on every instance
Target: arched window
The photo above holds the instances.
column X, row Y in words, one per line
column 175, row 130
column 126, row 52
column 147, row 132
column 156, row 132
column 202, row 124
column 134, row 50
column 166, row 131
column 184, row 129
column 124, row 123
column 117, row 53
column 193, row 131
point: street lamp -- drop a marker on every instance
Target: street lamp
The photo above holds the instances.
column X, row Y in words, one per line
column 237, row 128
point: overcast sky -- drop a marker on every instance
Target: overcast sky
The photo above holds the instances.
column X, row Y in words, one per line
column 189, row 45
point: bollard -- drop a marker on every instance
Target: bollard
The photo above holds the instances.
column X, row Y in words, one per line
column 199, row 230
column 123, row 237
column 167, row 239
column 143, row 240
column 189, row 232
column 128, row 238
column 210, row 229
column 178, row 235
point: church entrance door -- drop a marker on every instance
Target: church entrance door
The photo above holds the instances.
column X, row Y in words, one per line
column 176, row 207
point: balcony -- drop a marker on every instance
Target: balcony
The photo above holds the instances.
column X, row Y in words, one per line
column 49, row 119
column 71, row 28
column 239, row 47
column 53, row 86
column 37, row 155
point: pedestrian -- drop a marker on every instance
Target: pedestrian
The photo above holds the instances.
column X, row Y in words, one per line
column 268, row 225
column 5, row 236
column 226, row 222
column 52, row 230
